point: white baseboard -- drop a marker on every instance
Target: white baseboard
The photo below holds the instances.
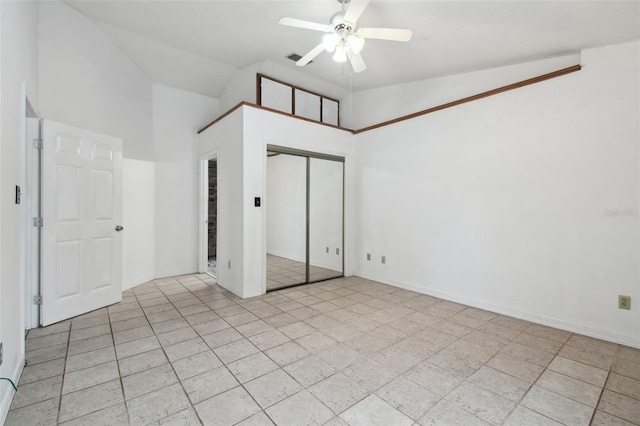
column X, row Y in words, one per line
column 130, row 283
column 174, row 272
column 7, row 397
column 527, row 316
column 287, row 256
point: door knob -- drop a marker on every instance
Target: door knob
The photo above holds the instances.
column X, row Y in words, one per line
column 119, row 228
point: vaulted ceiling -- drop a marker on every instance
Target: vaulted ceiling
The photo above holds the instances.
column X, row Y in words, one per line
column 199, row 45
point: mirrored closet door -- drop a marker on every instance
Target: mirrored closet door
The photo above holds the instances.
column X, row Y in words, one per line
column 305, row 215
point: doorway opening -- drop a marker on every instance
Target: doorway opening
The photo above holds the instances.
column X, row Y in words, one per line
column 305, row 217
column 212, row 217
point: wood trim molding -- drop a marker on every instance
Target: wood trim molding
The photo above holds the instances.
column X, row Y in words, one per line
column 493, row 92
column 482, row 95
column 275, row 111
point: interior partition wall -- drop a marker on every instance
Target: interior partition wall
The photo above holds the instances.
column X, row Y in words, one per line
column 305, row 217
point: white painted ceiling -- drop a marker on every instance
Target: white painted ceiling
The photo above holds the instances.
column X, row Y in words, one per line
column 199, row 45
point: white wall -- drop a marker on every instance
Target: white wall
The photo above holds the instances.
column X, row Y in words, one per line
column 138, row 197
column 262, row 128
column 502, row 203
column 224, row 140
column 177, row 117
column 87, row 82
column 367, row 107
column 19, row 46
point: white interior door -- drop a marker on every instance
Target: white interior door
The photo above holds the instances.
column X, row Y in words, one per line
column 81, row 211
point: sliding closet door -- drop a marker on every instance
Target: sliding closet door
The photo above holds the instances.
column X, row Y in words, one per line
column 286, row 220
column 326, row 183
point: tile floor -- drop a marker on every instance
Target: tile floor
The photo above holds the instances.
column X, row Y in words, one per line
column 183, row 351
column 283, row 272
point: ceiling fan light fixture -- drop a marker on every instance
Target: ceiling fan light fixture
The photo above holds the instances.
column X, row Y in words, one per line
column 330, row 41
column 341, row 53
column 355, row 42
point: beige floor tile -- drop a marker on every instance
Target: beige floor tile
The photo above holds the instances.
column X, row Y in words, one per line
column 45, row 370
column 273, row 387
column 258, row 419
column 446, row 413
column 156, row 405
column 235, row 351
column 227, row 408
column 600, row 418
column 373, row 411
column 91, row 376
column 148, row 380
column 37, row 391
column 454, row 363
column 268, row 339
column 557, row 407
column 586, row 356
column 571, row 388
column 89, row 400
column 251, row 367
column 209, row 384
column 500, row 383
column 38, row 414
column 116, row 415
column 369, row 374
column 355, row 342
column 620, row 406
column 434, row 378
column 481, row 402
column 186, row 417
column 338, row 392
column 578, row 370
column 287, row 353
column 299, row 409
column 396, row 359
column 522, row 416
column 137, row 347
column 624, row 385
column 409, row 398
column 627, row 368
column 185, row 349
column 309, row 370
column 516, row 367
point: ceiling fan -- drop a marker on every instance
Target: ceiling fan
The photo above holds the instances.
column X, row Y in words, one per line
column 342, row 36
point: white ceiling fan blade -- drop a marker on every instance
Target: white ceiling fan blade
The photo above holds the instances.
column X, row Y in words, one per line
column 309, row 56
column 357, row 63
column 356, row 7
column 299, row 23
column 393, row 34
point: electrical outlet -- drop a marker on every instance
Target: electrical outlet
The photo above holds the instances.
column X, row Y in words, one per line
column 327, row 249
column 383, row 259
column 369, row 256
column 337, row 250
column 624, row 302
column 0, row 353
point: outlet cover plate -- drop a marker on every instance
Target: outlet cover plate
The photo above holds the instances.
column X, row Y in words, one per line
column 624, row 302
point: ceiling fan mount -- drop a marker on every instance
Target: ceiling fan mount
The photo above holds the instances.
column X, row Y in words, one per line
column 343, row 37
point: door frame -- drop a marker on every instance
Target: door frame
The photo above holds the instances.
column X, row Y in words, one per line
column 32, row 200
column 203, row 239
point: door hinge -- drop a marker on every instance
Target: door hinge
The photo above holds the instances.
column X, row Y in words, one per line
column 37, row 299
column 37, row 143
column 38, row 222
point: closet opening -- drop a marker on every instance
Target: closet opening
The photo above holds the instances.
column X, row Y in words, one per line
column 305, row 217
column 212, row 217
